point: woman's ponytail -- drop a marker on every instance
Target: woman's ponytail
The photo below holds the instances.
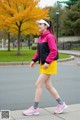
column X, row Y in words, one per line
column 50, row 28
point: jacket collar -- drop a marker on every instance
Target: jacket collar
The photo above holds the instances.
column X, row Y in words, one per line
column 45, row 33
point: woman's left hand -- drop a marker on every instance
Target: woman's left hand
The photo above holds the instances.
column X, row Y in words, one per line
column 46, row 65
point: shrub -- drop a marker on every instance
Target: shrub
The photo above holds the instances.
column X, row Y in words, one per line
column 34, row 47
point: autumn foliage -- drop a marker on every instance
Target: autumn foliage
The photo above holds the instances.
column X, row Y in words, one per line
column 19, row 16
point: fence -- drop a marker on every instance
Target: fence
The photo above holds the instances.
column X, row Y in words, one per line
column 70, row 38
column 67, row 43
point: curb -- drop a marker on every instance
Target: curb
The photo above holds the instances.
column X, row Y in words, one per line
column 78, row 63
column 73, row 54
column 66, row 59
column 27, row 63
column 13, row 63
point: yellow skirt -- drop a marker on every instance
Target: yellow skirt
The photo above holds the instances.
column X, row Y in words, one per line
column 52, row 69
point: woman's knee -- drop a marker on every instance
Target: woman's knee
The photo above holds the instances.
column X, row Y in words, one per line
column 37, row 85
column 48, row 86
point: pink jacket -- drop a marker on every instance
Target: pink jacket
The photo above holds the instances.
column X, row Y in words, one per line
column 47, row 49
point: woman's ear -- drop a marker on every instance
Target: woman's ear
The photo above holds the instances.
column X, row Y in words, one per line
column 46, row 26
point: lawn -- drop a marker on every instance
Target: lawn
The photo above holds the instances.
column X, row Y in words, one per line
column 26, row 55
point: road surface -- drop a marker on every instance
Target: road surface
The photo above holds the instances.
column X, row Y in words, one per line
column 17, row 86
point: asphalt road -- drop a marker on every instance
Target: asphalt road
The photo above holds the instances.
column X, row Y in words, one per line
column 17, row 86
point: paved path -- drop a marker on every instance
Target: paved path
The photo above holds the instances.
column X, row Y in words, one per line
column 71, row 113
column 75, row 61
column 17, row 86
column 71, row 52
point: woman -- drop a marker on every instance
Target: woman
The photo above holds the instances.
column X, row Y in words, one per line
column 47, row 55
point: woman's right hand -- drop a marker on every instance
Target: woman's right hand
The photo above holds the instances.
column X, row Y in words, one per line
column 32, row 64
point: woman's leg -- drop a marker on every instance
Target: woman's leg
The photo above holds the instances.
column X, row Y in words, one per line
column 44, row 78
column 41, row 80
column 61, row 105
column 34, row 109
column 51, row 89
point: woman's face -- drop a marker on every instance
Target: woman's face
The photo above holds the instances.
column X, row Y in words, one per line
column 42, row 27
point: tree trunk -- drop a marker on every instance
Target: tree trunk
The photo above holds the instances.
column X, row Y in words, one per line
column 8, row 34
column 19, row 42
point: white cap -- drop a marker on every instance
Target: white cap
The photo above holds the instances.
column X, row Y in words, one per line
column 42, row 22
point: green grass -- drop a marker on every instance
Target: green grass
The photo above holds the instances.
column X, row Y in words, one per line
column 26, row 55
column 76, row 49
column 63, row 56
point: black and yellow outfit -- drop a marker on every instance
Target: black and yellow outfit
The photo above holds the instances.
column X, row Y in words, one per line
column 47, row 52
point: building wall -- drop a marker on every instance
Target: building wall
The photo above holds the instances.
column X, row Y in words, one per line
column 66, row 39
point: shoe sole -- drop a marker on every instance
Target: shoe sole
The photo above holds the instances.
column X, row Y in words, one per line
column 62, row 110
column 31, row 114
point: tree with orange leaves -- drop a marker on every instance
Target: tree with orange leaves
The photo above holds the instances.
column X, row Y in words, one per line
column 19, row 16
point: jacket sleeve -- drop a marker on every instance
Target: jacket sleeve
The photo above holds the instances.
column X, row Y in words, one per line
column 35, row 57
column 53, row 49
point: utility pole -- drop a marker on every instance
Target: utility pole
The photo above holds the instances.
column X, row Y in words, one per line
column 57, row 23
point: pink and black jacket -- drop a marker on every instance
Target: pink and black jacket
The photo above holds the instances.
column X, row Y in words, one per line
column 47, row 49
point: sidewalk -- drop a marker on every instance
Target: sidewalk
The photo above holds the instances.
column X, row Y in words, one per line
column 71, row 113
column 71, row 52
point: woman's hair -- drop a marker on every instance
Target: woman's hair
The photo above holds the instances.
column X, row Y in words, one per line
column 51, row 25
